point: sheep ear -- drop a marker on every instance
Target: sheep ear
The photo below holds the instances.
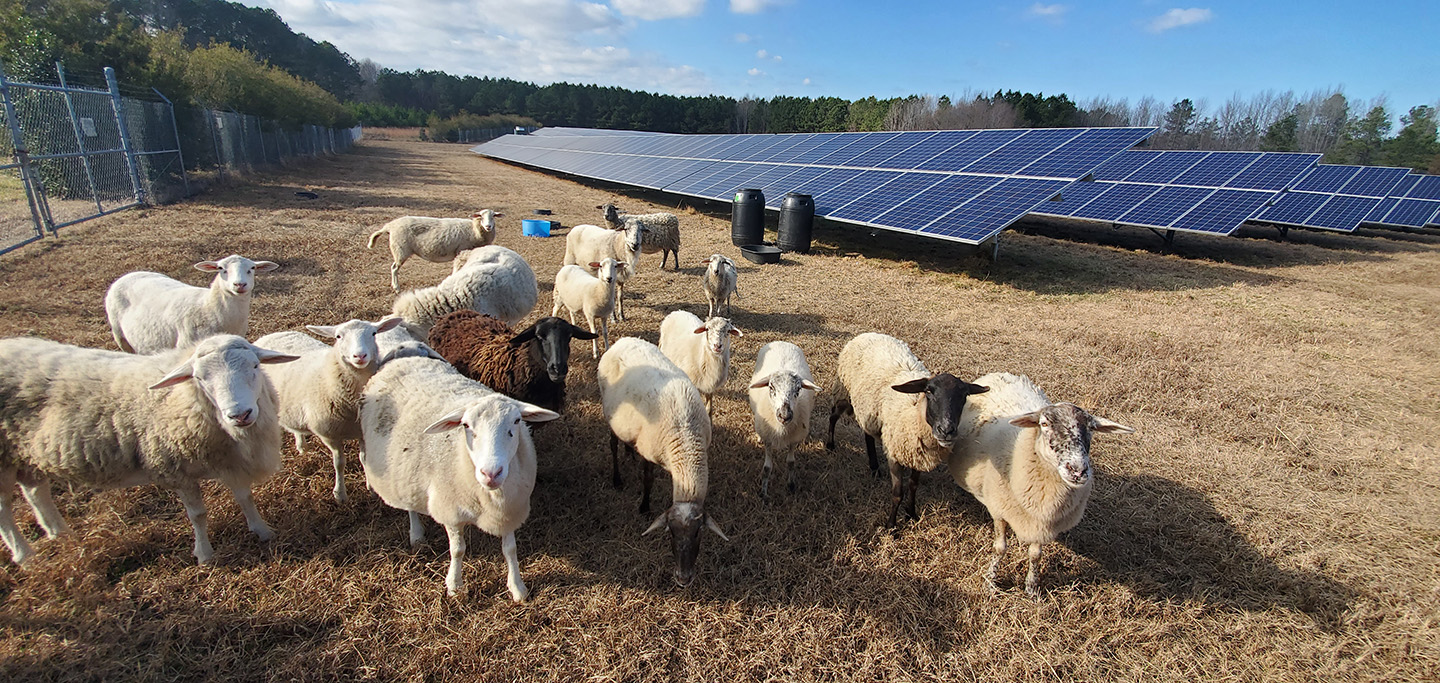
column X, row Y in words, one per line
column 715, row 527
column 321, row 330
column 534, row 413
column 388, row 324
column 208, row 266
column 701, row 329
column 267, row 356
column 176, row 376
column 1026, row 420
column 581, row 333
column 1105, row 426
column 736, row 332
column 761, row 383
column 447, row 423
column 914, row 386
column 524, row 337
column 973, row 389
column 810, row 385
column 265, row 266
column 594, row 264
column 659, row 522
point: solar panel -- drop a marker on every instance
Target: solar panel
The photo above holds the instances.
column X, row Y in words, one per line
column 885, row 197
column 1336, row 197
column 1221, row 211
column 975, row 219
column 1426, row 187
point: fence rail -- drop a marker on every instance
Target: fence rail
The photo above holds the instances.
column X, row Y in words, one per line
column 74, row 153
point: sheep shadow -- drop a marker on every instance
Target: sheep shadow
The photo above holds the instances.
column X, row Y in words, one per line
column 1167, row 541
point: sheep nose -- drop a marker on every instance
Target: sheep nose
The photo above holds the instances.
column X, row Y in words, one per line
column 361, row 359
column 783, row 415
column 244, row 419
column 492, row 478
column 557, row 372
column 241, row 288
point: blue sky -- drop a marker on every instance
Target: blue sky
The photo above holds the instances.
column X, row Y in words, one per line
column 1201, row 49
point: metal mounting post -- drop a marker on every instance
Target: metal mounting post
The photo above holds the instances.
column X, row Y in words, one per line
column 119, row 107
column 33, row 197
column 79, row 138
column 184, row 177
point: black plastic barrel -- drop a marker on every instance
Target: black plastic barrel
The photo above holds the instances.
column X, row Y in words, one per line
column 747, row 217
column 797, row 219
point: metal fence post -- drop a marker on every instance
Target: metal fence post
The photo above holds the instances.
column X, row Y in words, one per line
column 33, row 197
column 179, row 152
column 124, row 134
column 79, row 138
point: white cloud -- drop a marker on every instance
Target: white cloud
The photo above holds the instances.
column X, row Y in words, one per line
column 743, row 38
column 752, row 6
column 776, row 58
column 755, row 72
column 1177, row 17
column 651, row 10
column 1050, row 11
column 536, row 40
column 761, row 54
column 806, row 81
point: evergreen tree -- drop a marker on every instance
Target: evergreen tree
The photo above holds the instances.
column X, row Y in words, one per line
column 1415, row 146
column 1281, row 136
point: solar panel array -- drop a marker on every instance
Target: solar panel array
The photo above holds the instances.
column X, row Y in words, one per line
column 964, row 185
column 1192, row 191
column 1413, row 203
column 1335, row 197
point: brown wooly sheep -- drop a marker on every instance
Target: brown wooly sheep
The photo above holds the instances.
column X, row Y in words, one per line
column 529, row 366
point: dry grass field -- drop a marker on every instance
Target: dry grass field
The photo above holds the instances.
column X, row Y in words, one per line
column 1276, row 515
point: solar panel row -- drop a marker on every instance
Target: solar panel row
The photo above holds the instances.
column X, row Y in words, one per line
column 1336, row 197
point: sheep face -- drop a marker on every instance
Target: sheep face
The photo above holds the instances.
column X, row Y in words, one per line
column 612, row 214
column 549, row 340
column 493, row 433
column 486, row 220
column 356, row 340
column 945, row 396
column 634, row 233
column 226, row 370
column 235, row 272
column 717, row 333
column 785, row 388
column 607, row 270
column 685, row 521
column 1064, row 439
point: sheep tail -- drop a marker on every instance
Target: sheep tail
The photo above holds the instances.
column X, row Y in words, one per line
column 374, row 235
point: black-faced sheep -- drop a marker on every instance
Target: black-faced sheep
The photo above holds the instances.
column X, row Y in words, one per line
column 530, row 365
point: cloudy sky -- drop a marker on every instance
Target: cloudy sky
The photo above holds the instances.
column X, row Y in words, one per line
column 851, row 49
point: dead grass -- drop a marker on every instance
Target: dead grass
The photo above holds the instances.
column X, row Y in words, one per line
column 1275, row 517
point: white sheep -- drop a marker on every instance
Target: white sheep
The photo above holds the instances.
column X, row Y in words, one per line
column 435, row 239
column 320, row 393
column 701, row 348
column 721, row 280
column 782, row 396
column 150, row 312
column 663, row 234
column 894, row 398
column 654, row 409
column 446, row 446
column 494, row 280
column 109, row 419
column 578, row 290
column 586, row 244
column 1027, row 460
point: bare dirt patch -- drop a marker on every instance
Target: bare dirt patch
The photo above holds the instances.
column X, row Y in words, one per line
column 1276, row 515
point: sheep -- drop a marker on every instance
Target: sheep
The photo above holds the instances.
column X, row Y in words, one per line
column 578, row 290
column 435, row 239
column 494, row 280
column 653, row 408
column 894, row 398
column 663, row 236
column 320, row 394
column 705, row 359
column 782, row 395
column 593, row 244
column 150, row 312
column 110, row 419
column 720, row 281
column 446, row 446
column 1027, row 460
column 528, row 366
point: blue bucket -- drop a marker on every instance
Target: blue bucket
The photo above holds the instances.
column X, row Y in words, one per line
column 534, row 228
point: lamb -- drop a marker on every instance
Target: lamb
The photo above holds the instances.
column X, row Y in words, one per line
column 721, row 280
column 654, row 409
column 150, row 312
column 528, row 366
column 320, row 393
column 446, row 446
column 663, row 236
column 593, row 244
column 435, row 239
column 578, row 290
column 1027, row 460
column 705, row 359
column 894, row 398
column 494, row 280
column 109, row 419
column 782, row 395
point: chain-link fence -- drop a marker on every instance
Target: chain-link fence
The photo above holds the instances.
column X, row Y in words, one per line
column 73, row 153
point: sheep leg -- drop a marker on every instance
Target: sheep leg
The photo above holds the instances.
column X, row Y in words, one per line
column 594, row 343
column 914, row 486
column 299, row 439
column 765, row 476
column 453, row 582
column 711, row 313
column 194, row 502
column 615, row 461
column 619, row 302
column 790, row 469
column 999, row 549
column 555, row 310
column 874, row 460
column 604, row 332
column 709, row 407
column 837, row 410
column 19, row 547
column 417, row 530
column 518, row 591
column 395, row 276
column 896, row 491
column 337, row 458
column 649, row 474
column 38, row 493
column 1032, row 575
column 252, row 516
